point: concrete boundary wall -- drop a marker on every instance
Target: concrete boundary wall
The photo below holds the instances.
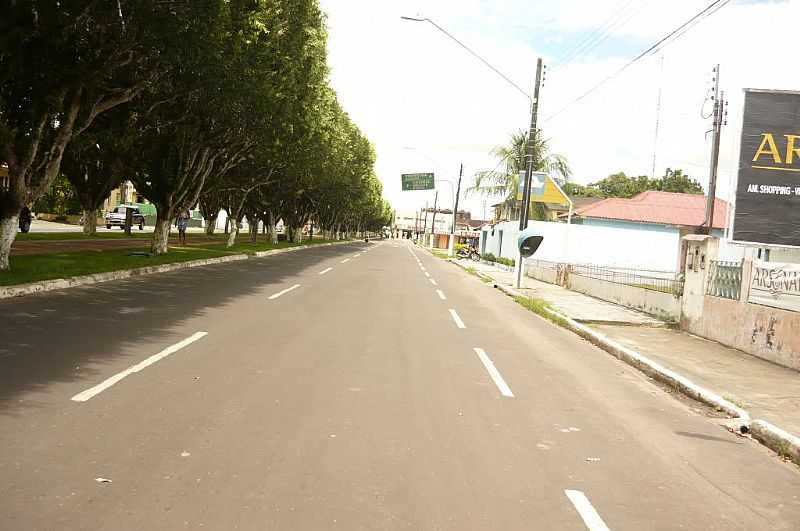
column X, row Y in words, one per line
column 657, row 303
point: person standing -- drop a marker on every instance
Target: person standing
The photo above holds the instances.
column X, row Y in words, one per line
column 183, row 223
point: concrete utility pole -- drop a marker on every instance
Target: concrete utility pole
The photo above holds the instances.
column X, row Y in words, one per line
column 433, row 219
column 452, row 246
column 425, row 224
column 716, row 132
column 526, row 191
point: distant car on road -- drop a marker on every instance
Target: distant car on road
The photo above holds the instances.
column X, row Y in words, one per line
column 116, row 218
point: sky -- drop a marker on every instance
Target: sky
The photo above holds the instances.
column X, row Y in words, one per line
column 426, row 104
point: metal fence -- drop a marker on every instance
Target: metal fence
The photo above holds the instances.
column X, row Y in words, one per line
column 724, row 279
column 663, row 281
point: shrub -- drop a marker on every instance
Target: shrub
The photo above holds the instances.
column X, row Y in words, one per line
column 505, row 261
column 489, row 257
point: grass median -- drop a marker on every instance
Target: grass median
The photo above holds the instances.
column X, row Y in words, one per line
column 37, row 267
column 49, row 266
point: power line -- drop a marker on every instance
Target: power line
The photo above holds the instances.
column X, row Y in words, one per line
column 603, row 36
column 674, row 35
column 564, row 59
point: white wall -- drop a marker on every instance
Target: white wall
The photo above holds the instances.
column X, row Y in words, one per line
column 607, row 246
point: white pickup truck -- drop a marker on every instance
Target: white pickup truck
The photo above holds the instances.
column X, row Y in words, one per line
column 116, row 218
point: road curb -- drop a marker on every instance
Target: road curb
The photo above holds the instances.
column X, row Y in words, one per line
column 7, row 292
column 649, row 367
column 780, row 441
column 21, row 290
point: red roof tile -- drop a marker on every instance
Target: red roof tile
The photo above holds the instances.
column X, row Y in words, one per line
column 665, row 208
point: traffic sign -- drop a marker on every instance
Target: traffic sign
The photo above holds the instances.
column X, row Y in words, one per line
column 417, row 181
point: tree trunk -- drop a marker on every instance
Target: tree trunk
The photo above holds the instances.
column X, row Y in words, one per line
column 232, row 234
column 89, row 222
column 253, row 230
column 298, row 235
column 273, row 230
column 8, row 232
column 211, row 225
column 160, row 242
column 227, row 223
column 311, row 231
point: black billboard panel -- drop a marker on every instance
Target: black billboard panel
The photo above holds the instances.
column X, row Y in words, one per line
column 768, row 189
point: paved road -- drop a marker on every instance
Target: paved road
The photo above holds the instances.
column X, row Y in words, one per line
column 345, row 388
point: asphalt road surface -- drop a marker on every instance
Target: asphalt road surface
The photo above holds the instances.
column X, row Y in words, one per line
column 348, row 387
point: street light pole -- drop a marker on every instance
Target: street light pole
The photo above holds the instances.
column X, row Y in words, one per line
column 433, row 219
column 526, row 191
column 451, row 248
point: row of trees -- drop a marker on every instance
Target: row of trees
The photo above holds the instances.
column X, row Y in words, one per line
column 225, row 103
column 621, row 185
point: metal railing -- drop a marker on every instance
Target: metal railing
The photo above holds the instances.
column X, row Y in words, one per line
column 724, row 279
column 663, row 281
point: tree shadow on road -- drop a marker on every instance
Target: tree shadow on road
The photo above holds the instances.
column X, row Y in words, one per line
column 55, row 337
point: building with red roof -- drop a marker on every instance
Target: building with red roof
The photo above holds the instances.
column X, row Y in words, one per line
column 658, row 210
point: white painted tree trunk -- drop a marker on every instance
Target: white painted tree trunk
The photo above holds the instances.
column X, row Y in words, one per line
column 8, row 232
column 90, row 222
column 233, row 233
column 160, row 243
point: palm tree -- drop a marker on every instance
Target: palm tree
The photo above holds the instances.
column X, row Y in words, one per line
column 513, row 156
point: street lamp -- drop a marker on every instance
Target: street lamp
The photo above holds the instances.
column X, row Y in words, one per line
column 471, row 51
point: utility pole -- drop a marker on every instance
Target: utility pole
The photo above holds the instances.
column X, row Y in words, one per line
column 526, row 191
column 425, row 224
column 452, row 245
column 716, row 132
column 433, row 219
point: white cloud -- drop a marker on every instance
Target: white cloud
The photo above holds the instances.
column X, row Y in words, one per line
column 407, row 85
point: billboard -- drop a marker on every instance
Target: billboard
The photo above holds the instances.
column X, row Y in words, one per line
column 543, row 189
column 768, row 189
column 417, row 181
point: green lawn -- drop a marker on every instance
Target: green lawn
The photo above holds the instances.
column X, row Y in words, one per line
column 53, row 236
column 32, row 268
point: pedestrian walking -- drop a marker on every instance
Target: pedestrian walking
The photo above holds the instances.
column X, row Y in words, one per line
column 183, row 223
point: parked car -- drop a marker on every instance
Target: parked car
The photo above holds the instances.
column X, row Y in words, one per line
column 116, row 218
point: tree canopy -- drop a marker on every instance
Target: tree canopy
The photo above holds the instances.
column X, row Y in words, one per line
column 622, row 185
column 222, row 102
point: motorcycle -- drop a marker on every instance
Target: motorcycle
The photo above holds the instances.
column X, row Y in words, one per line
column 469, row 253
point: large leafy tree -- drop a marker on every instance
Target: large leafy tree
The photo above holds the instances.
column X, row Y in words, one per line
column 62, row 65
column 511, row 157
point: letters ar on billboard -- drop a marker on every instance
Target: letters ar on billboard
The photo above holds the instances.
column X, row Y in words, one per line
column 768, row 189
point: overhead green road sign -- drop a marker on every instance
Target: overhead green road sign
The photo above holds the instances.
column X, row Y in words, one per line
column 417, row 181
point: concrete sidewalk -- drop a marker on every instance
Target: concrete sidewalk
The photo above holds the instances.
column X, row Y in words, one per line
column 765, row 390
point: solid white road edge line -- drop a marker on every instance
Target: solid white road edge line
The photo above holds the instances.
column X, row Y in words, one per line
column 325, row 270
column 427, row 274
column 588, row 513
column 344, row 261
column 432, row 281
column 501, row 384
column 287, row 290
column 441, row 294
column 99, row 388
column 457, row 319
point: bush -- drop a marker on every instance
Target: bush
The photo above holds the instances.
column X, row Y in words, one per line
column 460, row 246
column 489, row 257
column 506, row 261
